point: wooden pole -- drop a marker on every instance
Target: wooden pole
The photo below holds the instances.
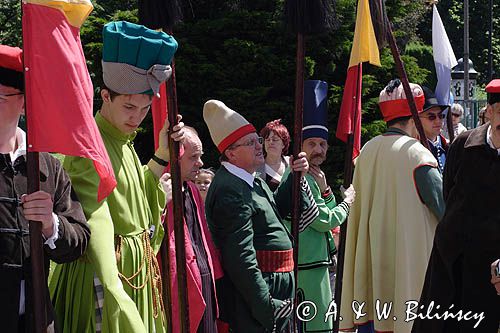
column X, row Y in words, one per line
column 166, row 278
column 490, row 43
column 348, row 172
column 38, row 280
column 178, row 204
column 406, row 85
column 297, row 147
column 466, row 61
column 449, row 125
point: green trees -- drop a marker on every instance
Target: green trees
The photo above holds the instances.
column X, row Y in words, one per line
column 451, row 12
column 238, row 51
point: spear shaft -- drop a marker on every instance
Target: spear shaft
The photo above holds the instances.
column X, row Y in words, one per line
column 38, row 280
column 348, row 172
column 178, row 204
column 406, row 84
column 297, row 147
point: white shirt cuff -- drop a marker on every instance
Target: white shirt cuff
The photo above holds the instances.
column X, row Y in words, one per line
column 51, row 241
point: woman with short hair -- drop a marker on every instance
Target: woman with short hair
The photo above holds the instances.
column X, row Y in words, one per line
column 276, row 144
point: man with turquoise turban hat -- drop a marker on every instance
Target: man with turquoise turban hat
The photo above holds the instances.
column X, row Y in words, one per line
column 119, row 272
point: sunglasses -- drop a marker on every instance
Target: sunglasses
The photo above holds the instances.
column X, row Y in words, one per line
column 456, row 115
column 433, row 116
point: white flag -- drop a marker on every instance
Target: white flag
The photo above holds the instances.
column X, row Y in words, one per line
column 444, row 58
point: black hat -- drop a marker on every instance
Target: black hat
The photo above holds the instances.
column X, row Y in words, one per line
column 315, row 110
column 431, row 100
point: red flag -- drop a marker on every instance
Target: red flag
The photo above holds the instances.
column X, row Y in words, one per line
column 159, row 111
column 59, row 92
column 364, row 48
column 350, row 110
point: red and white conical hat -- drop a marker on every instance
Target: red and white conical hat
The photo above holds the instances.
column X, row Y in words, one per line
column 226, row 126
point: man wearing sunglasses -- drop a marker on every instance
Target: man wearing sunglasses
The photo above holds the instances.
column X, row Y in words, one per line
column 432, row 119
column 467, row 238
column 246, row 222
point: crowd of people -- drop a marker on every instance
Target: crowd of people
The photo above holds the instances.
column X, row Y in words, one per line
column 423, row 224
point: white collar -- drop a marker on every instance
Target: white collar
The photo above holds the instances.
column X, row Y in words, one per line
column 437, row 142
column 240, row 173
column 270, row 171
column 21, row 145
column 490, row 141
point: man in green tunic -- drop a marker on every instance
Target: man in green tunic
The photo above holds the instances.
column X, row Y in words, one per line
column 316, row 246
column 121, row 257
column 245, row 219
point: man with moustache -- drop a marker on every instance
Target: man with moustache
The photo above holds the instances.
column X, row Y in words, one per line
column 202, row 261
column 467, row 239
column 245, row 219
column 432, row 119
column 316, row 245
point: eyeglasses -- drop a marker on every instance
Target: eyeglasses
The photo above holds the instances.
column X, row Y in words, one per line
column 433, row 116
column 456, row 115
column 249, row 143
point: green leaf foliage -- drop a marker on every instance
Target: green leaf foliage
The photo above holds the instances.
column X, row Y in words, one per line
column 238, row 51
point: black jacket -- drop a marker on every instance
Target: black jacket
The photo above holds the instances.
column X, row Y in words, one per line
column 74, row 234
column 467, row 239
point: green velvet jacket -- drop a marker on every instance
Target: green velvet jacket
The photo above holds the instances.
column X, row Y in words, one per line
column 243, row 219
column 316, row 242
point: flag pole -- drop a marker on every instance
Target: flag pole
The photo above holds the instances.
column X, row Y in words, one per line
column 466, row 60
column 406, row 84
column 302, row 17
column 38, row 281
column 348, row 174
column 36, row 247
column 164, row 14
column 297, row 147
column 166, row 278
column 177, row 200
column 449, row 125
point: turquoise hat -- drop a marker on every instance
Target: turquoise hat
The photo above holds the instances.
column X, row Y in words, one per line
column 136, row 60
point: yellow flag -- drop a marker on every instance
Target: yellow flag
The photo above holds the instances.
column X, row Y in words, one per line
column 364, row 45
column 76, row 11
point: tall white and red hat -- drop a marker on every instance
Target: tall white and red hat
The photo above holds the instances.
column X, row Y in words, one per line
column 226, row 126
